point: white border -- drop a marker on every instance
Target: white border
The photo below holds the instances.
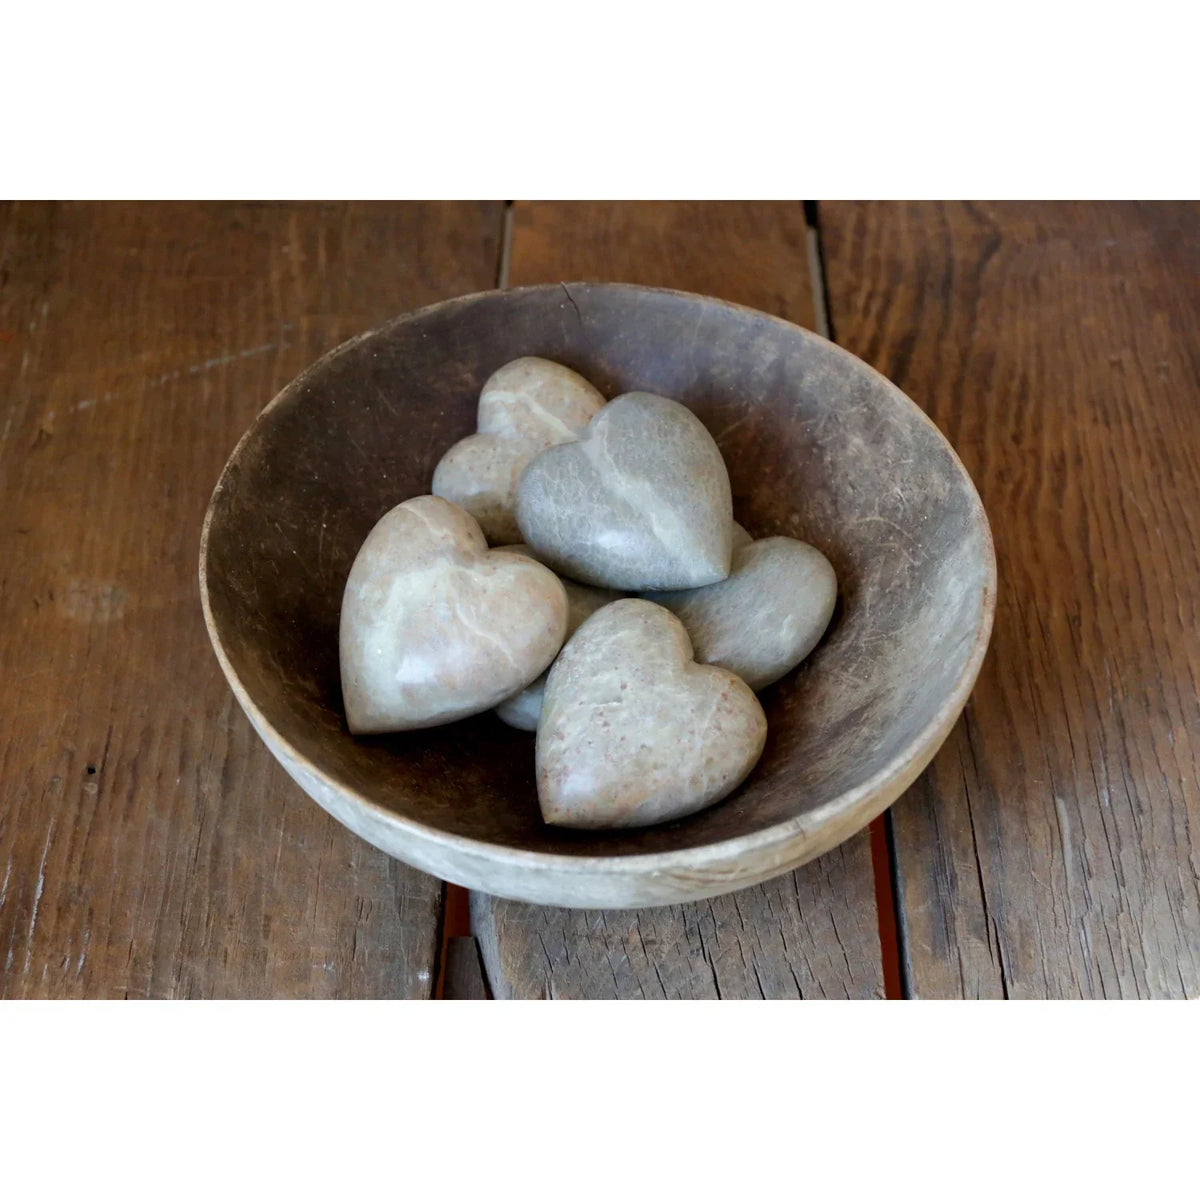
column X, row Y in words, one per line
column 867, row 99
column 598, row 1099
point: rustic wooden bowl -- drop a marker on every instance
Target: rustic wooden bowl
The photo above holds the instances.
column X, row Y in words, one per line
column 819, row 446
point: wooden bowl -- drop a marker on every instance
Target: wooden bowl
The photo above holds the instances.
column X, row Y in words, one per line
column 819, row 446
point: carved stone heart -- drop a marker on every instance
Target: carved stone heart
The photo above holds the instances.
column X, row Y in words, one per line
column 641, row 501
column 525, row 407
column 522, row 710
column 634, row 732
column 767, row 616
column 435, row 626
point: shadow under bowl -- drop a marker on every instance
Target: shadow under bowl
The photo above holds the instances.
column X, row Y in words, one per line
column 819, row 446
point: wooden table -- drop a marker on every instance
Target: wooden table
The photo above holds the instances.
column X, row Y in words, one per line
column 149, row 846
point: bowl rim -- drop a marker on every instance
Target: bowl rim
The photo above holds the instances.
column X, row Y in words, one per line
column 900, row 770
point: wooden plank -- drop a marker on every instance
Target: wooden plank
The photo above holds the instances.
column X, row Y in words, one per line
column 750, row 253
column 810, row 933
column 149, row 846
column 1053, row 849
column 464, row 971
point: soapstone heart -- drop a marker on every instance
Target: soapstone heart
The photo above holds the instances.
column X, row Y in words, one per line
column 633, row 732
column 525, row 407
column 522, row 710
column 641, row 501
column 766, row 617
column 435, row 627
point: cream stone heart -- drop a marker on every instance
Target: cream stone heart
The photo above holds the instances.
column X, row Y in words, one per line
column 523, row 709
column 634, row 732
column 525, row 407
column 435, row 626
column 641, row 501
column 766, row 617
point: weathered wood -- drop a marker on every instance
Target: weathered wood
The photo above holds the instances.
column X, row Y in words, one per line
column 812, row 932
column 749, row 252
column 808, row 934
column 1053, row 849
column 149, row 845
column 464, row 971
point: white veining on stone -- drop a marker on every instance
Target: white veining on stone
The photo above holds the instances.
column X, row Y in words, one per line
column 435, row 627
column 525, row 407
column 767, row 616
column 633, row 732
column 641, row 501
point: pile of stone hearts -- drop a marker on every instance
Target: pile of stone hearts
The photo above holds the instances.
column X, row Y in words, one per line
column 631, row 625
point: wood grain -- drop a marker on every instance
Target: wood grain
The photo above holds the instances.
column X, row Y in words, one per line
column 808, row 934
column 1053, row 849
column 149, row 845
column 464, row 971
column 750, row 253
column 812, row 932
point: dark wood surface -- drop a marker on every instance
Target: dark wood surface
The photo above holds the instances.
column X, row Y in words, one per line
column 813, row 932
column 149, row 845
column 464, row 971
column 1053, row 849
column 750, row 253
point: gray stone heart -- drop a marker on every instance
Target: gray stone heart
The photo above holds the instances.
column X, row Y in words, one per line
column 633, row 732
column 641, row 501
column 526, row 406
column 766, row 617
column 523, row 710
column 435, row 627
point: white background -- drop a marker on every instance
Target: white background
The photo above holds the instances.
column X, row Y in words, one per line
column 626, row 98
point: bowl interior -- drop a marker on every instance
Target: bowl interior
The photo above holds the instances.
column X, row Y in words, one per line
column 818, row 446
